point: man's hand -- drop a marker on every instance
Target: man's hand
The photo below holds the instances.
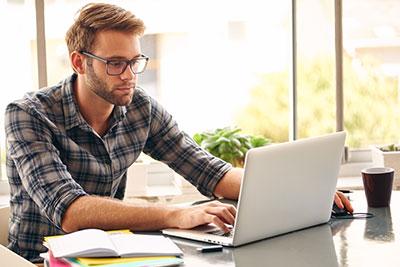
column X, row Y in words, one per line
column 212, row 212
column 343, row 202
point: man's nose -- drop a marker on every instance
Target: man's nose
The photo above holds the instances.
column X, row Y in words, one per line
column 128, row 74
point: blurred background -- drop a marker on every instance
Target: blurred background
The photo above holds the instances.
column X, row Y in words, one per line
column 228, row 63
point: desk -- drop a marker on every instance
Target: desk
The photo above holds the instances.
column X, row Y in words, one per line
column 363, row 242
column 371, row 242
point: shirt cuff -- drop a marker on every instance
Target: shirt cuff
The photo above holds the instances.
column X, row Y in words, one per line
column 216, row 177
column 62, row 204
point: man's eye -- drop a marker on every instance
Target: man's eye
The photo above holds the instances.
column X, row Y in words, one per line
column 117, row 64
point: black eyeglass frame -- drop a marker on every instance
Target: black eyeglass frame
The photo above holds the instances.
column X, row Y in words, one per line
column 129, row 63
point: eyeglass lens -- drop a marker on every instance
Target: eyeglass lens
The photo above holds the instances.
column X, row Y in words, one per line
column 117, row 67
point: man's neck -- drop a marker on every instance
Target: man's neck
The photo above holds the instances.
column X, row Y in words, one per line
column 95, row 110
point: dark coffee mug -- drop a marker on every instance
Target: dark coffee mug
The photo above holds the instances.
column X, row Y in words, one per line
column 378, row 183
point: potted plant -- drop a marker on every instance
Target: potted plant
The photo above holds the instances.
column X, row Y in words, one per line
column 229, row 144
column 388, row 156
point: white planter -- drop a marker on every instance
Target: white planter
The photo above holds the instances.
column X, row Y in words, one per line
column 387, row 159
column 136, row 182
column 150, row 178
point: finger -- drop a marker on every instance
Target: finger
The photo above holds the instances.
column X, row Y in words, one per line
column 222, row 213
column 231, row 208
column 227, row 216
column 346, row 202
column 338, row 201
column 217, row 221
column 348, row 205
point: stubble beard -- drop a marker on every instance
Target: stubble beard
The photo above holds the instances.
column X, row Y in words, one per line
column 100, row 88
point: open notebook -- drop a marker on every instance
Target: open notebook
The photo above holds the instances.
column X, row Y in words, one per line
column 98, row 243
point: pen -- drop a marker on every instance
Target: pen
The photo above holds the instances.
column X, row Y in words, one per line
column 206, row 249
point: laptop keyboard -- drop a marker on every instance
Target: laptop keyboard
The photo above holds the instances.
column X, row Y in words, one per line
column 214, row 230
column 218, row 231
column 221, row 233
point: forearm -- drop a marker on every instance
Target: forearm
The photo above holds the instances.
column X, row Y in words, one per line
column 108, row 214
column 229, row 185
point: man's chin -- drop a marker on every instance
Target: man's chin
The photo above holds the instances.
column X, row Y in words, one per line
column 123, row 101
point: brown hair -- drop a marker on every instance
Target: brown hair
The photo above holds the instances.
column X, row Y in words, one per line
column 96, row 17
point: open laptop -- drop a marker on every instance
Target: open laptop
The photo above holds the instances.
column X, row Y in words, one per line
column 286, row 187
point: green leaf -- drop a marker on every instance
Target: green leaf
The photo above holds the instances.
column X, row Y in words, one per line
column 257, row 141
column 230, row 132
column 223, row 148
column 222, row 139
column 198, row 138
column 235, row 142
column 207, row 144
column 244, row 150
column 228, row 143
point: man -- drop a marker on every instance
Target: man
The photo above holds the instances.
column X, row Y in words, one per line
column 70, row 145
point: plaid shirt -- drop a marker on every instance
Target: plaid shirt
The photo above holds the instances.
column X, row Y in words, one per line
column 54, row 156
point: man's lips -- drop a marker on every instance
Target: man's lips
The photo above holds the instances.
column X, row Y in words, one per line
column 125, row 88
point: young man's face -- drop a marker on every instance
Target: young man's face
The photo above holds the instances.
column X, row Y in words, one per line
column 117, row 90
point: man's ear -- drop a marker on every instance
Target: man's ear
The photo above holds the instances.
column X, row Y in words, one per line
column 78, row 63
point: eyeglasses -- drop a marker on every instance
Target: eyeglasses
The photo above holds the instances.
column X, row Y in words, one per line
column 116, row 67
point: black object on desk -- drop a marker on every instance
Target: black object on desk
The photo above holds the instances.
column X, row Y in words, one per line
column 212, row 248
column 342, row 213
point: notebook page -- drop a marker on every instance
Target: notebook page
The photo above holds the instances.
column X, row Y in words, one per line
column 145, row 245
column 89, row 243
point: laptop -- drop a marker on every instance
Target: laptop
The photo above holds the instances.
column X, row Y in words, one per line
column 286, row 187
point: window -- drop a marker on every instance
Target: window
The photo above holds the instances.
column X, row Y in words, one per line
column 230, row 64
column 371, row 39
column 316, row 88
column 18, row 53
column 210, row 67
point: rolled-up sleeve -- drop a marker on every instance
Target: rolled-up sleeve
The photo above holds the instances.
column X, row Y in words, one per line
column 174, row 147
column 43, row 175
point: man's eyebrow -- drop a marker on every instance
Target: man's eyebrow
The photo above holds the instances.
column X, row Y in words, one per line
column 116, row 57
